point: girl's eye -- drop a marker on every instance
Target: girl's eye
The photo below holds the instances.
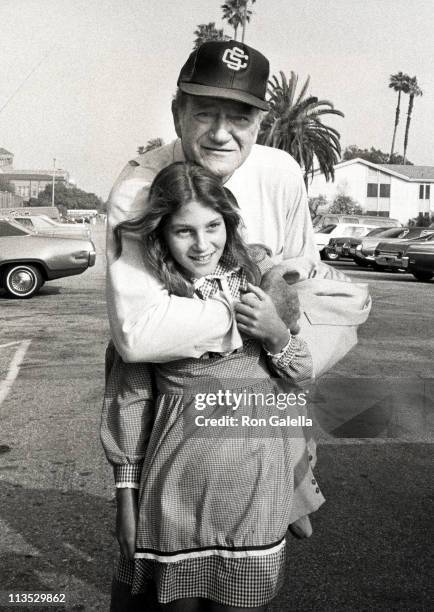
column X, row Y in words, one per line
column 183, row 232
column 214, row 225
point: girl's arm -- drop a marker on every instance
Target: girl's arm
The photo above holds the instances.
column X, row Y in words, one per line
column 126, row 424
column 127, row 418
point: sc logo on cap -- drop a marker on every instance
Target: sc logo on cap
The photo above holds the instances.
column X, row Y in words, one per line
column 233, row 58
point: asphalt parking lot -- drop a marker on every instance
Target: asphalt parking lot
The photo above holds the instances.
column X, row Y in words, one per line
column 370, row 549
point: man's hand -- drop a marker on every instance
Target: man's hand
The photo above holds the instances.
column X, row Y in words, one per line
column 284, row 297
column 257, row 317
column 126, row 520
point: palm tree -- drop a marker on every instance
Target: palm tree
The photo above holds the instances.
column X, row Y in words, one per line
column 205, row 32
column 236, row 13
column 294, row 124
column 398, row 82
column 413, row 90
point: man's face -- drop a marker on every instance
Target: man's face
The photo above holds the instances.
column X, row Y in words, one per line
column 217, row 134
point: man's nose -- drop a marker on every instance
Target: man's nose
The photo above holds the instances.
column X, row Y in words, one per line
column 220, row 130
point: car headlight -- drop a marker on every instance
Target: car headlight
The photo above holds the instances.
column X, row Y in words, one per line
column 359, row 247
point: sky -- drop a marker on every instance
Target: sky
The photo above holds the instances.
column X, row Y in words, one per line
column 88, row 81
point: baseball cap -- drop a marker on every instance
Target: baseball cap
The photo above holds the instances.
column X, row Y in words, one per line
column 226, row 69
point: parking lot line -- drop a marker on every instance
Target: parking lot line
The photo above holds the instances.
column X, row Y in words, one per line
column 14, row 367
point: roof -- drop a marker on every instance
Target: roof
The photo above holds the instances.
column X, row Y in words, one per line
column 14, row 176
column 406, row 172
column 412, row 172
column 4, row 152
column 34, row 175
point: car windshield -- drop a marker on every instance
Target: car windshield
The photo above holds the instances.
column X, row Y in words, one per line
column 391, row 232
column 425, row 238
column 415, row 232
column 327, row 229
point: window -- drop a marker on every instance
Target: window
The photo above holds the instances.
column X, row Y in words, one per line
column 384, row 190
column 424, row 192
column 6, row 229
column 372, row 190
column 24, row 221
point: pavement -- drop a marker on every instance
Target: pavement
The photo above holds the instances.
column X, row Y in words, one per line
column 371, row 548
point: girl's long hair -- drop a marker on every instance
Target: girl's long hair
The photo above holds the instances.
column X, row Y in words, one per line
column 174, row 186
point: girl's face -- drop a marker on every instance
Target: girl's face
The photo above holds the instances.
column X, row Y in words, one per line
column 196, row 238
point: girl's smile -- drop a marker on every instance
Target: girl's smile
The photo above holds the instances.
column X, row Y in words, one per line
column 196, row 238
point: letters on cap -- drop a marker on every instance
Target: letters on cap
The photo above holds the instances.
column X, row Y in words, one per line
column 235, row 58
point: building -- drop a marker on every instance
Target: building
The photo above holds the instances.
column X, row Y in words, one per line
column 388, row 190
column 27, row 183
column 6, row 158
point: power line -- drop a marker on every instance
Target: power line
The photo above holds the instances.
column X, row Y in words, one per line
column 26, row 78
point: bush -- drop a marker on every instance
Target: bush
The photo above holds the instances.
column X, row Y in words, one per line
column 343, row 204
column 422, row 220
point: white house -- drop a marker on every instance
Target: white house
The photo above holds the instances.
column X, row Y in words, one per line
column 389, row 190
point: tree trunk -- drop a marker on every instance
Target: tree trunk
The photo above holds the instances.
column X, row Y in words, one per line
column 392, row 148
column 244, row 22
column 407, row 125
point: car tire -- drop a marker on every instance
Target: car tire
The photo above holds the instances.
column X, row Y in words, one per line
column 420, row 275
column 330, row 256
column 22, row 281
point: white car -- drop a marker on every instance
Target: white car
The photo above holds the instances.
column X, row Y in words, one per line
column 43, row 225
column 339, row 230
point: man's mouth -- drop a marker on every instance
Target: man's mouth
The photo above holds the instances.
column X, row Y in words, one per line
column 215, row 150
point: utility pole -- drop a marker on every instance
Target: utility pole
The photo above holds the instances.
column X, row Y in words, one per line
column 54, row 178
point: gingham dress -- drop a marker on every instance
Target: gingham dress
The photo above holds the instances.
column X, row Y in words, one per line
column 213, row 507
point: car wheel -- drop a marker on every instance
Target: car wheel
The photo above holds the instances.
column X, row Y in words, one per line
column 22, row 280
column 330, row 255
column 423, row 276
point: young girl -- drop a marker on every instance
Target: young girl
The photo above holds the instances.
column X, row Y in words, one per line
column 216, row 495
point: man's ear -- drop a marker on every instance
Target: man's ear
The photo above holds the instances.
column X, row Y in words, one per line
column 176, row 121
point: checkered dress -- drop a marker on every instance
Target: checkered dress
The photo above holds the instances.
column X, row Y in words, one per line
column 213, row 509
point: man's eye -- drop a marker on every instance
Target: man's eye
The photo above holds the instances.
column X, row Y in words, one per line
column 204, row 115
column 240, row 119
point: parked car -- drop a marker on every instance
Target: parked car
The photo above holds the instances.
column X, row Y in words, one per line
column 363, row 253
column 415, row 256
column 324, row 234
column 419, row 258
column 28, row 260
column 42, row 224
column 373, row 221
column 346, row 246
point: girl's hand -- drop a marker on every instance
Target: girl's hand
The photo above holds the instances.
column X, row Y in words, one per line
column 126, row 520
column 257, row 317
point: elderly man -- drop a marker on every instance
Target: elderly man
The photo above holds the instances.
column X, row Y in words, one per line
column 217, row 113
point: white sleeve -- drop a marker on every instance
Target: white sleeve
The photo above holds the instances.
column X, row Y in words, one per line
column 299, row 235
